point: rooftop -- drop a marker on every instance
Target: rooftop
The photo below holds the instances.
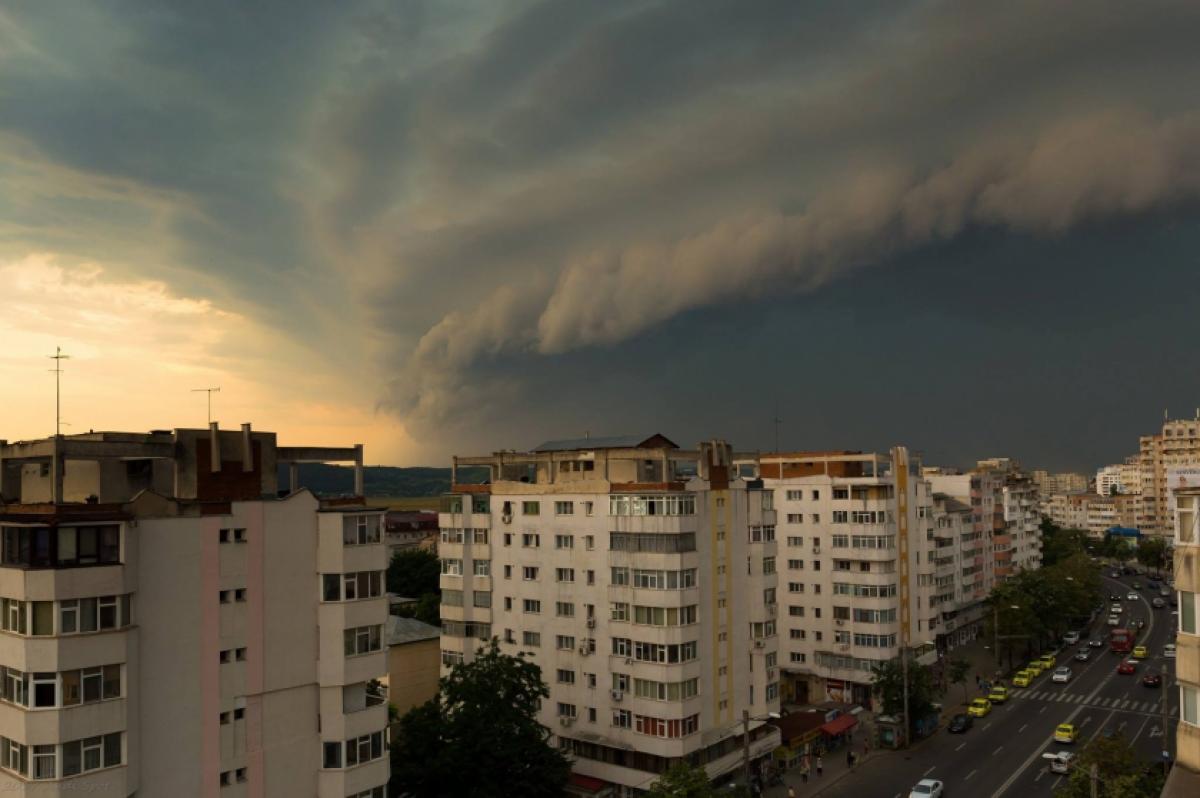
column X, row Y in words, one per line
column 409, row 630
column 655, row 441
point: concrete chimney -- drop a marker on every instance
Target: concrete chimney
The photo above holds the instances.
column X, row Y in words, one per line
column 214, row 446
column 247, row 449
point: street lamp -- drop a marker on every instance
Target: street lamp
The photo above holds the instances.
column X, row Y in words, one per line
column 746, row 739
column 996, row 630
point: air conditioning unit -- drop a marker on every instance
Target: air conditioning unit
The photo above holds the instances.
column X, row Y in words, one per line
column 840, row 622
column 506, row 518
column 758, row 644
column 591, row 623
column 584, row 649
column 629, row 660
column 617, row 695
column 566, row 720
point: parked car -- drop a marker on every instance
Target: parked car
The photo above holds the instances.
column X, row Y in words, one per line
column 1114, row 620
column 1164, row 592
column 1048, row 661
column 960, row 723
column 1132, row 596
column 1117, row 609
column 1034, row 667
column 1127, row 667
column 1022, row 678
column 1065, row 733
column 979, row 707
column 1152, row 679
column 1137, row 585
column 998, row 694
column 1083, row 655
column 1169, row 651
column 1061, row 675
column 1071, row 638
column 1115, row 574
column 1114, row 597
column 927, row 788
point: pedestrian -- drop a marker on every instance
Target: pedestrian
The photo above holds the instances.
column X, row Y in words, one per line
column 850, row 759
column 803, row 773
column 977, row 680
column 866, row 747
column 820, row 766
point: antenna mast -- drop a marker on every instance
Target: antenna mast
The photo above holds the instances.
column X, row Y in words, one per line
column 777, row 421
column 210, row 392
column 58, row 357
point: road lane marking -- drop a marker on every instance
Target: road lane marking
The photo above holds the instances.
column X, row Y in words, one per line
column 969, row 775
column 998, row 750
column 984, row 727
column 1038, row 777
column 961, row 746
column 926, row 773
column 1040, row 711
column 1023, row 728
column 1141, row 729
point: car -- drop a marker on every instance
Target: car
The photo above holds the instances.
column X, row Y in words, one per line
column 979, row 707
column 1127, row 666
column 1115, row 574
column 1132, row 596
column 1083, row 655
column 1060, row 762
column 998, row 694
column 1114, row 597
column 1164, row 592
column 1139, row 652
column 1152, row 679
column 1048, row 661
column 927, row 788
column 1071, row 638
column 960, row 723
column 1022, row 678
column 1065, row 733
column 1116, row 609
column 1127, row 571
column 1034, row 668
column 1114, row 620
column 1158, row 603
column 1096, row 642
column 1169, row 651
column 1137, row 585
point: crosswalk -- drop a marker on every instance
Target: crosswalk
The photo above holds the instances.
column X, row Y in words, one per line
column 1120, row 704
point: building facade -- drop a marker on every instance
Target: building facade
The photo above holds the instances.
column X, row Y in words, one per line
column 641, row 578
column 1176, row 446
column 1184, row 778
column 173, row 625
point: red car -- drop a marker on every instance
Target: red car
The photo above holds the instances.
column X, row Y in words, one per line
column 1152, row 680
column 1127, row 666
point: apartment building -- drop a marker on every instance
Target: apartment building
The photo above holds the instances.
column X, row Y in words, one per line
column 1175, row 447
column 1184, row 778
column 1066, row 482
column 641, row 578
column 857, row 568
column 174, row 625
column 1108, row 480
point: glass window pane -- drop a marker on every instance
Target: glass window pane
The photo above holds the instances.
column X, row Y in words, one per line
column 110, row 544
column 72, row 758
column 89, row 545
column 112, row 749
column 87, row 615
column 108, row 612
column 71, row 688
column 91, row 753
column 112, row 681
column 349, row 646
column 92, row 684
column 333, row 755
column 68, row 618
column 43, row 617
column 126, row 611
column 66, row 545
column 330, row 587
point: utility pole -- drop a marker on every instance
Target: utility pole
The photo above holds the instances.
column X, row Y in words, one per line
column 904, row 671
column 1094, row 776
column 210, row 392
column 58, row 357
column 1166, row 748
column 746, row 745
column 777, row 421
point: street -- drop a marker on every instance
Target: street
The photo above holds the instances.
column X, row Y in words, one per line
column 1002, row 754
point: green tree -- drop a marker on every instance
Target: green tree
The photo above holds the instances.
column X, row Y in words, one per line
column 959, row 669
column 1121, row 774
column 413, row 573
column 682, row 781
column 428, row 609
column 1058, row 544
column 481, row 737
column 1152, row 552
column 889, row 685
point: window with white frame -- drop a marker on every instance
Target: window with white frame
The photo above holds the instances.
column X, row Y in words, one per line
column 564, row 541
column 482, row 567
column 529, row 573
column 564, row 574
column 564, row 508
column 363, row 640
column 452, row 567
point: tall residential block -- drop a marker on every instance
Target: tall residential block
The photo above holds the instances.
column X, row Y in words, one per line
column 175, row 625
column 1184, row 778
column 641, row 578
column 1176, row 447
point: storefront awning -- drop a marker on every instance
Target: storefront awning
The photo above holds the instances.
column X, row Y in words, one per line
column 839, row 725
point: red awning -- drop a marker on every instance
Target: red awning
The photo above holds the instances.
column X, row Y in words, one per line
column 839, row 725
column 588, row 783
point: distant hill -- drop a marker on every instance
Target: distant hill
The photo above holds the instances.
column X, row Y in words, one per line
column 334, row 480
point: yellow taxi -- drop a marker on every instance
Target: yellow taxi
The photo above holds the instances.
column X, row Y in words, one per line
column 1139, row 652
column 1065, row 733
column 1047, row 661
column 1034, row 668
column 998, row 695
column 979, row 707
column 1022, row 679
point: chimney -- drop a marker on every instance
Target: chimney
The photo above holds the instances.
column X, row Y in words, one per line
column 247, row 449
column 214, row 446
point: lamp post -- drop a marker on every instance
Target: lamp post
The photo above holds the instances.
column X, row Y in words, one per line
column 746, row 739
column 996, row 631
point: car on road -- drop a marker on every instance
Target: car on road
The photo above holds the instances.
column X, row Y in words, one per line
column 1060, row 762
column 1153, row 583
column 1114, row 597
column 927, row 788
column 960, row 723
column 1022, row 678
column 1034, row 667
column 979, row 707
column 1114, row 620
column 1116, row 609
column 1115, row 574
column 1152, row 679
column 1083, row 655
column 1048, row 661
column 1127, row 667
column 1164, row 591
column 1065, row 733
column 1137, row 585
column 1096, row 642
column 1169, row 651
column 1132, row 596
column 1139, row 652
column 998, row 694
column 1071, row 638
column 1158, row 603
column 1061, row 675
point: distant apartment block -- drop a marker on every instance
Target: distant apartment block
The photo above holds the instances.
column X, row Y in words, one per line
column 174, row 625
column 642, row 579
column 1175, row 447
column 1067, row 482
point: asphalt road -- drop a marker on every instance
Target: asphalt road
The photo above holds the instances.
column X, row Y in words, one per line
column 1002, row 755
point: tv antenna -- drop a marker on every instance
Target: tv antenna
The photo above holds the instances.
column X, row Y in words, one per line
column 777, row 421
column 210, row 392
column 58, row 357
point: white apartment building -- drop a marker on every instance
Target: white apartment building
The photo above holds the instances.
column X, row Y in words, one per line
column 1108, row 480
column 642, row 579
column 849, row 596
column 172, row 625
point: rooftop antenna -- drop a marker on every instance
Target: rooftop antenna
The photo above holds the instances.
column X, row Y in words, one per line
column 777, row 421
column 58, row 357
column 210, row 392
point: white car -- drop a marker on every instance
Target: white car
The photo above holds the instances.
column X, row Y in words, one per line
column 927, row 788
column 1083, row 655
column 1071, row 638
column 1131, row 596
column 1117, row 609
column 1169, row 651
column 1062, row 674
column 1060, row 762
column 1114, row 620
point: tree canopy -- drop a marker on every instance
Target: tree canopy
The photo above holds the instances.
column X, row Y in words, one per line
column 889, row 684
column 1152, row 552
column 414, row 573
column 682, row 781
column 1121, row 774
column 481, row 737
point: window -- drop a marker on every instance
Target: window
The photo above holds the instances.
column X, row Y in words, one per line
column 768, row 565
column 529, row 573
column 564, row 541
column 508, row 572
column 452, row 567
column 358, row 530
column 1189, row 704
column 531, row 540
column 483, row 567
column 816, row 518
column 362, row 640
column 43, row 762
column 532, row 606
column 1187, row 611
column 566, row 676
column 620, row 611
column 531, row 508
column 481, row 598
column 479, row 537
column 840, row 517
column 531, row 638
column 239, row 536
column 564, row 574
column 564, row 642
column 587, row 508
column 652, row 505
column 564, row 508
column 564, row 609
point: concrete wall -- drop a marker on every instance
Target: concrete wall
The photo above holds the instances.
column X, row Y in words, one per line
column 413, row 672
